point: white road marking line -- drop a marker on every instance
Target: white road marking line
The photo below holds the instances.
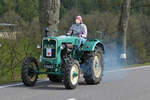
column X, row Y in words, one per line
column 112, row 71
column 5, row 86
column 18, row 84
column 126, row 69
column 71, row 99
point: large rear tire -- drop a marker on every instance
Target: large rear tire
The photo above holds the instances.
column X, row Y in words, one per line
column 71, row 74
column 94, row 67
column 28, row 71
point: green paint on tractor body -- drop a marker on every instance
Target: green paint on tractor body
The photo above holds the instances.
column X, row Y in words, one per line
column 54, row 61
column 56, row 47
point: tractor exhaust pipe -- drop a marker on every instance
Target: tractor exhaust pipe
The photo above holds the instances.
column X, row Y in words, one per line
column 46, row 32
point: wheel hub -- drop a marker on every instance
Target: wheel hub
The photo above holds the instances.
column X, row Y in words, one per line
column 97, row 67
column 74, row 75
column 31, row 72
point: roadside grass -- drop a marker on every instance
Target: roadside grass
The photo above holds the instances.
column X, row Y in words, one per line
column 11, row 58
column 138, row 65
column 7, row 78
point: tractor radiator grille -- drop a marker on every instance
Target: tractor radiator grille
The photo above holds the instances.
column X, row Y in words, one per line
column 51, row 45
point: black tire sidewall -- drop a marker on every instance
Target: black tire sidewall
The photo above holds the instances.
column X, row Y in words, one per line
column 24, row 71
column 89, row 75
column 67, row 71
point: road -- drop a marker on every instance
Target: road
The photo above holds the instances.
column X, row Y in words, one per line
column 124, row 84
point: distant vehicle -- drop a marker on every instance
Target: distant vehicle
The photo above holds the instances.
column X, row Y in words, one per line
column 62, row 63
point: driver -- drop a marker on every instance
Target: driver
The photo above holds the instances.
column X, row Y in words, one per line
column 79, row 29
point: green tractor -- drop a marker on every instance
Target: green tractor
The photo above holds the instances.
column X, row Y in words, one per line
column 61, row 62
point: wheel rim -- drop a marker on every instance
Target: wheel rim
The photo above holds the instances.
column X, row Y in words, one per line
column 74, row 75
column 97, row 67
column 31, row 72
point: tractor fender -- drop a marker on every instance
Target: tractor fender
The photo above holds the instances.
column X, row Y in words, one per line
column 91, row 44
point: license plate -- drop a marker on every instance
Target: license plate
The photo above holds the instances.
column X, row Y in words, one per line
column 49, row 66
column 48, row 52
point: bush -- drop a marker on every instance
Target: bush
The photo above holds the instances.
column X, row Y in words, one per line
column 13, row 51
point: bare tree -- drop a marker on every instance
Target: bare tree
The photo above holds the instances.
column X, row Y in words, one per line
column 49, row 14
column 123, row 26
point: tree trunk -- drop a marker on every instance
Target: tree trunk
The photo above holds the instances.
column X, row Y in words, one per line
column 122, row 28
column 49, row 14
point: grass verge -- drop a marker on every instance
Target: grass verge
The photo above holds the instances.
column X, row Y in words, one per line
column 138, row 65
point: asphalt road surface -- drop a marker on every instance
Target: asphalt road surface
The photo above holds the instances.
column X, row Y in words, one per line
column 121, row 84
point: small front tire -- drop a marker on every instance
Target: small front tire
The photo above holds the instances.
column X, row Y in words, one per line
column 28, row 71
column 71, row 74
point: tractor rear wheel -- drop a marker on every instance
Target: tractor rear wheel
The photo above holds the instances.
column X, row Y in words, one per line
column 55, row 78
column 28, row 71
column 71, row 74
column 94, row 67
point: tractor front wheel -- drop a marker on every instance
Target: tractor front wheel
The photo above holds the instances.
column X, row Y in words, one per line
column 28, row 71
column 71, row 74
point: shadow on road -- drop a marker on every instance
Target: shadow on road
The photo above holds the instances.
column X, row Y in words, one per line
column 48, row 85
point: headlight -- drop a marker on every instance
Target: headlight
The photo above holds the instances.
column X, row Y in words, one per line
column 39, row 46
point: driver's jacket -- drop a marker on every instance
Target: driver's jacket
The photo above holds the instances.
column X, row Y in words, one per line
column 78, row 29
